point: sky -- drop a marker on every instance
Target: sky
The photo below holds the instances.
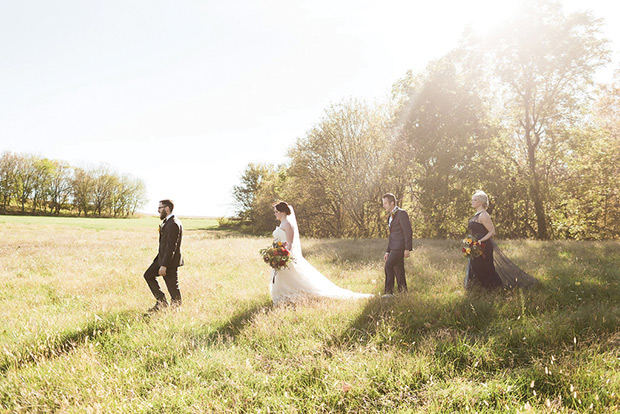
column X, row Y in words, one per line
column 184, row 94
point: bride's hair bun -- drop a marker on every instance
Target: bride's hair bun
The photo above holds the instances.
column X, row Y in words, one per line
column 283, row 207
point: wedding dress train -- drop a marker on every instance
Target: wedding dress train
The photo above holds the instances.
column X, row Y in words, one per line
column 301, row 279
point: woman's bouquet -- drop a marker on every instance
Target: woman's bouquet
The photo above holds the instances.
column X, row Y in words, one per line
column 472, row 247
column 276, row 256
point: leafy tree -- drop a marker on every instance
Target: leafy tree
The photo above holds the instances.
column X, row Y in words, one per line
column 545, row 60
column 60, row 186
column 608, row 108
column 260, row 188
column 335, row 172
column 511, row 116
column 42, row 183
column 8, row 178
column 137, row 195
column 128, row 194
column 590, row 207
column 43, row 171
column 443, row 134
column 26, row 176
column 104, row 185
column 244, row 194
column 82, row 187
column 269, row 192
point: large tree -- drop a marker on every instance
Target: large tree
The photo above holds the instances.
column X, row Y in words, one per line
column 60, row 186
column 244, row 194
column 82, row 188
column 442, row 132
column 104, row 185
column 335, row 172
column 9, row 163
column 43, row 171
column 545, row 60
column 137, row 195
column 260, row 187
column 25, row 179
column 590, row 208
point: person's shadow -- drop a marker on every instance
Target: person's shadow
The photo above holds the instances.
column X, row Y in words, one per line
column 232, row 327
column 403, row 320
column 113, row 323
column 65, row 342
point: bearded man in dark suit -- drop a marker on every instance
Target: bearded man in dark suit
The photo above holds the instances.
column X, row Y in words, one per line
column 168, row 259
column 399, row 245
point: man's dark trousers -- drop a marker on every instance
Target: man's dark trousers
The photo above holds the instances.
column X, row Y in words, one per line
column 399, row 240
column 172, row 283
column 395, row 267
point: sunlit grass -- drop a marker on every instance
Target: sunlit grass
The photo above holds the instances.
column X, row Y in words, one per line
column 75, row 338
column 105, row 223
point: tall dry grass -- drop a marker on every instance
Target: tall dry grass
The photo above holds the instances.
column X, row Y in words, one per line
column 74, row 336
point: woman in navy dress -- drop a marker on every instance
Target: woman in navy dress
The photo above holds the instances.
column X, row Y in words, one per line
column 493, row 269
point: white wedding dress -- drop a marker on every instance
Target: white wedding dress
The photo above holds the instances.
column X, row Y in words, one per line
column 301, row 279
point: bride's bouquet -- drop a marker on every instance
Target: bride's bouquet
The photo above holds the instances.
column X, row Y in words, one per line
column 471, row 247
column 277, row 256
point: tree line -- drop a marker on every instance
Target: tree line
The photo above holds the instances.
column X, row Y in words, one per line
column 516, row 113
column 34, row 185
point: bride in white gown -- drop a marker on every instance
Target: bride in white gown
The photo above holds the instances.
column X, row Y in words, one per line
column 300, row 279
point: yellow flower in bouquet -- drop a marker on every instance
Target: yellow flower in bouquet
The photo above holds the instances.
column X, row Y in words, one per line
column 472, row 247
column 277, row 256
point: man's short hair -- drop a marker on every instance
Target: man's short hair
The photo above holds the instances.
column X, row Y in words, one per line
column 168, row 203
column 390, row 198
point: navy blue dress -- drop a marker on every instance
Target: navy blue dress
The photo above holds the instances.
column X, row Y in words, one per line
column 481, row 270
column 493, row 269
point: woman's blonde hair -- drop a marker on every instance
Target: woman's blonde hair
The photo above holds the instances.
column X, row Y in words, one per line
column 482, row 197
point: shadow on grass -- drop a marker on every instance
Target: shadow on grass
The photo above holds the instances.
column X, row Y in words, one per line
column 62, row 343
column 53, row 346
column 232, row 327
column 492, row 330
column 579, row 295
column 404, row 319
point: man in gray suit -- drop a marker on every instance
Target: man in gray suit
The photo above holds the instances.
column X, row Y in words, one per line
column 168, row 259
column 399, row 245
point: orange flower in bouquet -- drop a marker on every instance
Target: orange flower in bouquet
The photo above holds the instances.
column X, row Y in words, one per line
column 277, row 256
column 471, row 247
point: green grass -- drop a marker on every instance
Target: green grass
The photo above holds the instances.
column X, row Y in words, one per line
column 106, row 223
column 74, row 337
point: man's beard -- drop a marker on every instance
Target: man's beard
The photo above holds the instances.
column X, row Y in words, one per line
column 162, row 215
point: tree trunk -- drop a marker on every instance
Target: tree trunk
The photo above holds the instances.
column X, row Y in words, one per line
column 532, row 144
column 539, row 210
column 539, row 207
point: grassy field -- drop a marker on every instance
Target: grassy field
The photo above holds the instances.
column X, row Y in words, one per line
column 105, row 223
column 74, row 337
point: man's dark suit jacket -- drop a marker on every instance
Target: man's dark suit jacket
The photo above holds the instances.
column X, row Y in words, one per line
column 170, row 236
column 401, row 234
